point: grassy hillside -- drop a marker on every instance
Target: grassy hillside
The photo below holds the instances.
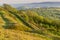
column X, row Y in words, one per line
column 27, row 25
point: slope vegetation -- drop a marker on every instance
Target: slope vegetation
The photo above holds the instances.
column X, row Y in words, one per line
column 26, row 25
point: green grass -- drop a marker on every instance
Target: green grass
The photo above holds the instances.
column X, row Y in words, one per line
column 27, row 24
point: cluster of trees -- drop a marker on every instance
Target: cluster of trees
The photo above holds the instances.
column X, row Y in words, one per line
column 41, row 21
column 51, row 13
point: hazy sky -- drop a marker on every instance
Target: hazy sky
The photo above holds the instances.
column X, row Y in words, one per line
column 26, row 1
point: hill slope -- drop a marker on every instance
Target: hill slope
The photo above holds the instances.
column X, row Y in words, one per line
column 26, row 25
column 19, row 35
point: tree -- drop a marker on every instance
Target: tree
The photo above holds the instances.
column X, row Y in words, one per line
column 10, row 8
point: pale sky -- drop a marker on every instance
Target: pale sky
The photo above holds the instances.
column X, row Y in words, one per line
column 26, row 1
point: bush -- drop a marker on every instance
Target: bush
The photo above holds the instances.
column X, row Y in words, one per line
column 9, row 26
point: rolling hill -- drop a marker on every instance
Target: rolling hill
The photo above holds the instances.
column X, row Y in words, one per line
column 36, row 5
column 26, row 25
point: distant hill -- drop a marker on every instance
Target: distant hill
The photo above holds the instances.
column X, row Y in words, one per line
column 37, row 5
